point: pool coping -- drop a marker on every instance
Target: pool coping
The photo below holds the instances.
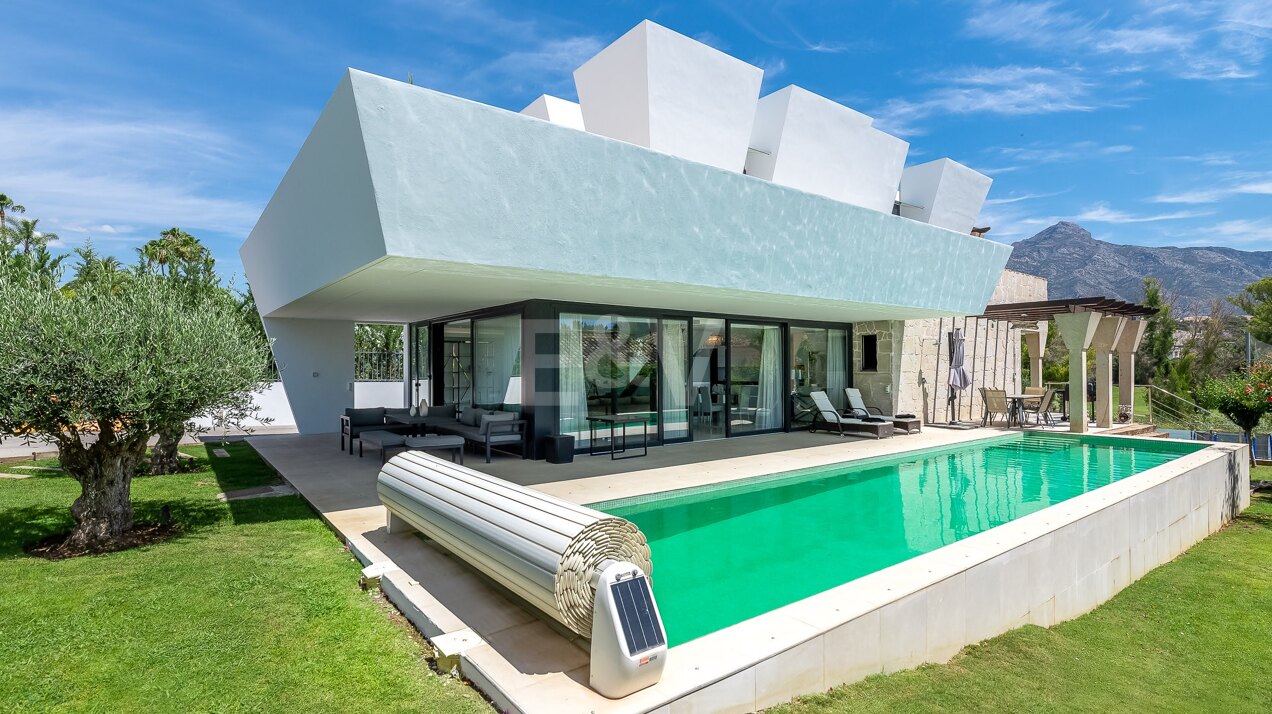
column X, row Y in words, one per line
column 788, row 651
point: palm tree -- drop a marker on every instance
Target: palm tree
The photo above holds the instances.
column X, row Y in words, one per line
column 7, row 204
column 26, row 231
column 173, row 249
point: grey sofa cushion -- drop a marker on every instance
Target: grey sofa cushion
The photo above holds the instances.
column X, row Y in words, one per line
column 372, row 416
column 472, row 416
column 492, row 417
column 442, row 410
column 397, row 411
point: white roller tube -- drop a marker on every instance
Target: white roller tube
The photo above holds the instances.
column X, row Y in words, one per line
column 546, row 550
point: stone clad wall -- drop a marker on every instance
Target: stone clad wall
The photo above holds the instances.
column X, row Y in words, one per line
column 912, row 378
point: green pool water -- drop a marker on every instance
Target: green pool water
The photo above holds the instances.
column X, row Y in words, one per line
column 724, row 554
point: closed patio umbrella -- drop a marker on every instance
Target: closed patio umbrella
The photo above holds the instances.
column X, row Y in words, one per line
column 959, row 379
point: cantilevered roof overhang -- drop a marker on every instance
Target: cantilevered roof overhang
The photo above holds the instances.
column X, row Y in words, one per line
column 405, row 204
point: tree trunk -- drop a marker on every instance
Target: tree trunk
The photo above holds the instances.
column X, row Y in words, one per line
column 1249, row 437
column 164, row 457
column 103, row 512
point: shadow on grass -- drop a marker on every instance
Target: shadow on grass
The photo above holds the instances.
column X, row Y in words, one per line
column 23, row 526
column 243, row 468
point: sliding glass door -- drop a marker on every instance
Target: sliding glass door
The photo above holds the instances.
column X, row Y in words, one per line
column 609, row 365
column 674, row 362
column 755, row 379
column 708, row 380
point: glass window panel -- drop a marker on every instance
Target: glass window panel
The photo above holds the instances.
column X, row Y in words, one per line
column 609, row 365
column 497, row 363
column 419, row 362
column 457, row 363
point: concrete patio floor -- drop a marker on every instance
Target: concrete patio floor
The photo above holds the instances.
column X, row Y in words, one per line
column 516, row 656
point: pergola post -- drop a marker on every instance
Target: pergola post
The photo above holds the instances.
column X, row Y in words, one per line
column 1127, row 346
column 1106, row 338
column 1036, row 342
column 1077, row 329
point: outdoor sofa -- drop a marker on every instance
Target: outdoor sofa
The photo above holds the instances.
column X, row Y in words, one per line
column 355, row 422
column 478, row 427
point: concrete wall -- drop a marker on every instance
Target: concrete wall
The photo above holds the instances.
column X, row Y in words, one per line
column 315, row 360
column 912, row 379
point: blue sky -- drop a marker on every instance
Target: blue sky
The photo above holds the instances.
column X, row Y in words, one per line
column 1146, row 122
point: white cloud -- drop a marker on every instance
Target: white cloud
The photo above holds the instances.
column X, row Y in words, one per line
column 1017, row 199
column 1044, row 153
column 121, row 176
column 1102, row 213
column 1009, row 90
column 1243, row 231
column 1217, row 40
column 1237, row 184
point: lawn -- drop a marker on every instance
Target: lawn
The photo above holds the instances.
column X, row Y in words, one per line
column 1192, row 635
column 254, row 607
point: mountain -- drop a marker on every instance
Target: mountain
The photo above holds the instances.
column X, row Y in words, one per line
column 1077, row 265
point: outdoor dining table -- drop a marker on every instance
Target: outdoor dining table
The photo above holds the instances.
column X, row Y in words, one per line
column 1018, row 407
column 617, row 420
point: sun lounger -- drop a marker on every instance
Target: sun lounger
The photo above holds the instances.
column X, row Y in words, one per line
column 857, row 407
column 831, row 420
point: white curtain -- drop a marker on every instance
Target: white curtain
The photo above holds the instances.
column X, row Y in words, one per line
column 675, row 418
column 573, row 394
column 836, row 377
column 771, row 406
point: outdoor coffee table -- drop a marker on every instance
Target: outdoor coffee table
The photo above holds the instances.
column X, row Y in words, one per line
column 418, row 424
column 909, row 425
column 437, row 442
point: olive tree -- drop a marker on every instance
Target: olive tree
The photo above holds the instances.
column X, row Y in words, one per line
column 99, row 373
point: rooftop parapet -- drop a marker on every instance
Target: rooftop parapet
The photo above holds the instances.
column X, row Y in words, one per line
column 943, row 193
column 808, row 142
column 556, row 110
column 659, row 89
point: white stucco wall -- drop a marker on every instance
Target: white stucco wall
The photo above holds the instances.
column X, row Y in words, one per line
column 378, row 394
column 559, row 111
column 659, row 89
column 322, row 221
column 315, row 361
column 602, row 221
column 808, row 142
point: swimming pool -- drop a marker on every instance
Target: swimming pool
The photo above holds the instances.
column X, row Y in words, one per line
column 726, row 553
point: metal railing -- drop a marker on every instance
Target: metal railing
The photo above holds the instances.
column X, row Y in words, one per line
column 1154, row 405
column 377, row 366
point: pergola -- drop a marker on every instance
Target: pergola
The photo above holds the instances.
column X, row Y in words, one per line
column 1107, row 325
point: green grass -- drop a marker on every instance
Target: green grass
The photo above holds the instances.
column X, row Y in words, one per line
column 1192, row 635
column 254, row 607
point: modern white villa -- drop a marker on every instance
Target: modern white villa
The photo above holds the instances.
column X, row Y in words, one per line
column 679, row 255
column 674, row 243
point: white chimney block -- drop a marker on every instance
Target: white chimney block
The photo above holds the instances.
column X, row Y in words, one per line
column 556, row 110
column 664, row 91
column 944, row 193
column 808, row 142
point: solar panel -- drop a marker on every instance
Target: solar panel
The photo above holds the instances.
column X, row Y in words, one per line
column 635, row 605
